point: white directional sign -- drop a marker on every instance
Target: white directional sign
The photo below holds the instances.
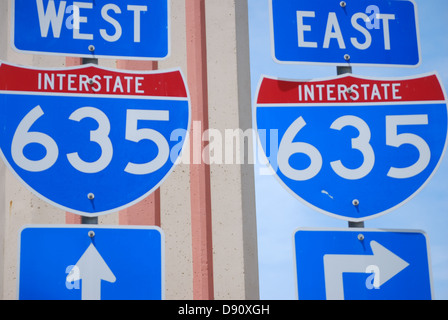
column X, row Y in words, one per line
column 362, row 264
column 95, row 269
column 385, row 263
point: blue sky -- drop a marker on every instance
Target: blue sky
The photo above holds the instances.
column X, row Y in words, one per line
column 427, row 211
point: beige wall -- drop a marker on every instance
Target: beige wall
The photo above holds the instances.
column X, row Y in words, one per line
column 233, row 203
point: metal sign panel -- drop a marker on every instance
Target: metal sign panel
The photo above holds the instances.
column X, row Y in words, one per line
column 61, row 262
column 377, row 32
column 351, row 147
column 137, row 29
column 362, row 264
column 92, row 140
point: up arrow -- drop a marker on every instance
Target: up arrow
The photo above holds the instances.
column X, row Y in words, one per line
column 385, row 262
column 91, row 269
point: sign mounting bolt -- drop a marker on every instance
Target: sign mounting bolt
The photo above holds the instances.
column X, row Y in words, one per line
column 360, row 237
column 346, row 57
column 355, row 202
column 91, row 234
column 91, row 196
column 91, row 48
column 343, row 4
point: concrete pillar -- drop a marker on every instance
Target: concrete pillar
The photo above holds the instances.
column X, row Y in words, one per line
column 232, row 184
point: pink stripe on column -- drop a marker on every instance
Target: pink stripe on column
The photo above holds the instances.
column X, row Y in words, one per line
column 147, row 211
column 71, row 218
column 201, row 218
column 73, row 61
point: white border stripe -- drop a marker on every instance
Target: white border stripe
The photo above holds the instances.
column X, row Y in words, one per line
column 349, row 104
column 91, row 95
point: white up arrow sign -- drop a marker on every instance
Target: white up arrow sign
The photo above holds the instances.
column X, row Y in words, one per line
column 91, row 268
column 386, row 262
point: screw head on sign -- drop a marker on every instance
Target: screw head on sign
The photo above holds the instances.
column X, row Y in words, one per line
column 90, row 196
column 343, row 4
column 360, row 237
column 91, row 48
column 91, row 234
column 355, row 202
column 346, row 57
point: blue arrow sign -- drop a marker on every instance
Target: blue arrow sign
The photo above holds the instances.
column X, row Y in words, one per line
column 378, row 32
column 137, row 29
column 61, row 262
column 350, row 147
column 362, row 264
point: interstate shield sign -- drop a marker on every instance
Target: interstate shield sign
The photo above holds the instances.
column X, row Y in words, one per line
column 92, row 140
column 353, row 147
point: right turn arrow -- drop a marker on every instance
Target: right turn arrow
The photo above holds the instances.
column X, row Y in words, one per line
column 388, row 264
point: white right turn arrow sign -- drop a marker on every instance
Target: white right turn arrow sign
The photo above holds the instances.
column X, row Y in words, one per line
column 362, row 264
column 383, row 261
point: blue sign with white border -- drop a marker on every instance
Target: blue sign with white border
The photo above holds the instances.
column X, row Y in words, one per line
column 362, row 264
column 137, row 29
column 92, row 140
column 378, row 32
column 349, row 149
column 62, row 262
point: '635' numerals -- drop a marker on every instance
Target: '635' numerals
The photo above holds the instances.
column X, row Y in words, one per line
column 23, row 137
column 361, row 143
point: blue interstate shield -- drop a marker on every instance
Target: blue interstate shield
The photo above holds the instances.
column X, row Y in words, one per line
column 351, row 147
column 91, row 140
